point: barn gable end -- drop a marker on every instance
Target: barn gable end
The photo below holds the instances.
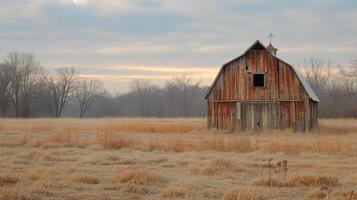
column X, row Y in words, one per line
column 284, row 100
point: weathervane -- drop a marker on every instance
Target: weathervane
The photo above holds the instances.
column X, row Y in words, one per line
column 270, row 36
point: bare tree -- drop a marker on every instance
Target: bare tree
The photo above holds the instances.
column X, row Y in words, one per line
column 5, row 80
column 86, row 93
column 354, row 67
column 23, row 69
column 317, row 72
column 62, row 85
column 187, row 89
column 183, row 82
column 348, row 76
column 140, row 88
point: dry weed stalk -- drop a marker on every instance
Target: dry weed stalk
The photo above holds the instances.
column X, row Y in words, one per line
column 270, row 166
column 279, row 167
column 326, row 190
column 282, row 167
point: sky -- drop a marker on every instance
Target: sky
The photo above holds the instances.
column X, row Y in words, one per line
column 118, row 41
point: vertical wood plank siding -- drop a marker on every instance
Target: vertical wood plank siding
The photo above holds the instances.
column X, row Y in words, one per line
column 282, row 103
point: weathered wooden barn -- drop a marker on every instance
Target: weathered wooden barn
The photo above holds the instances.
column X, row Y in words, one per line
column 258, row 90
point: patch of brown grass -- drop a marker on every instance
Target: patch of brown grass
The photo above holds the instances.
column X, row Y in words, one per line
column 6, row 152
column 108, row 141
column 315, row 194
column 43, row 127
column 337, row 126
column 39, row 155
column 112, row 158
column 103, row 126
column 158, row 160
column 266, row 182
column 138, row 177
column 25, row 139
column 135, row 189
column 60, row 138
column 180, row 189
column 298, row 181
column 219, row 166
column 245, row 193
column 342, row 194
column 151, row 126
column 287, row 147
column 175, row 145
column 211, row 144
column 241, row 144
column 87, row 179
column 312, row 181
column 7, row 180
column 16, row 193
column 318, row 194
column 326, row 146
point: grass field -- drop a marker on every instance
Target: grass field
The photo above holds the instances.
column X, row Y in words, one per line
column 174, row 159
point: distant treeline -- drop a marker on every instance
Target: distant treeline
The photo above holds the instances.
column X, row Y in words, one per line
column 334, row 84
column 179, row 97
column 29, row 90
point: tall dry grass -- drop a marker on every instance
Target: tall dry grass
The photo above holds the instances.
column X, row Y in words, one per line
column 103, row 125
column 245, row 193
column 139, row 177
column 332, row 138
column 219, row 167
column 7, row 180
column 181, row 189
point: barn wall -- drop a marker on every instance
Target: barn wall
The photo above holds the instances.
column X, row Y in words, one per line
column 259, row 115
column 236, row 83
column 284, row 99
column 313, row 115
column 222, row 116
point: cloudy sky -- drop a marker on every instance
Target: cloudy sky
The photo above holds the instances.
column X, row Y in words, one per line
column 120, row 40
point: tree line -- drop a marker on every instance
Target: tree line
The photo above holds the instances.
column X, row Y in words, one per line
column 26, row 87
column 29, row 90
column 334, row 84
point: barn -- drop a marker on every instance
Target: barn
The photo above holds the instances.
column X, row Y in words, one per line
column 258, row 90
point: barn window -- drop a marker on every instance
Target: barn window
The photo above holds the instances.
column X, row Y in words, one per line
column 259, row 80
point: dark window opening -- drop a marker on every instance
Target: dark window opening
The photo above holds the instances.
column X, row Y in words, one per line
column 246, row 67
column 259, row 80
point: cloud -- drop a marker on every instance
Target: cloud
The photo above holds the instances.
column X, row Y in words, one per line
column 124, row 39
column 11, row 11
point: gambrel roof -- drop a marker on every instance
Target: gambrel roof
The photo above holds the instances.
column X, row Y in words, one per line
column 258, row 45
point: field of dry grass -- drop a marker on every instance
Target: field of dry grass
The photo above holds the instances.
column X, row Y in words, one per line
column 174, row 159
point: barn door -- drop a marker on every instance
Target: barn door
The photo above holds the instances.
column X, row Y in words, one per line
column 251, row 116
column 259, row 115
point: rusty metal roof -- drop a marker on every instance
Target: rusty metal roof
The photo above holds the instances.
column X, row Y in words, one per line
column 257, row 44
